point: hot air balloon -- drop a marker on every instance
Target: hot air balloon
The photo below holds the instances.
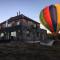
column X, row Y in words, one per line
column 50, row 17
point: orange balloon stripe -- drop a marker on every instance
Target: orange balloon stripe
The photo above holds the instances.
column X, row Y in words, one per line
column 58, row 16
column 47, row 18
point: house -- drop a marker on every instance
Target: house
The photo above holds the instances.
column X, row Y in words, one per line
column 23, row 29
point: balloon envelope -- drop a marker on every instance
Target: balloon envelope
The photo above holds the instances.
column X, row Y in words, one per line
column 50, row 17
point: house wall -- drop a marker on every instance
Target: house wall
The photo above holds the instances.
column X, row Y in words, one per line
column 26, row 34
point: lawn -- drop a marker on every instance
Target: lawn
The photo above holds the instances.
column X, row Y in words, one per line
column 24, row 51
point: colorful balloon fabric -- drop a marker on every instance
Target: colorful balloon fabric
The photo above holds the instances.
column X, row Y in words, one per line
column 50, row 17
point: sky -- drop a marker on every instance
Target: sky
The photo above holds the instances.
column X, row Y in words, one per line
column 30, row 8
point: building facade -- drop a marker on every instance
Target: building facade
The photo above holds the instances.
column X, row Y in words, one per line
column 22, row 28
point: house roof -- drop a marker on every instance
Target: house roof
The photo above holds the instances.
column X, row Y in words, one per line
column 19, row 17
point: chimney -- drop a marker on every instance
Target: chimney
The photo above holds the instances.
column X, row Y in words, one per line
column 19, row 12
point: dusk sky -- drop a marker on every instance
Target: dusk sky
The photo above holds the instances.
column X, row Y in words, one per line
column 30, row 8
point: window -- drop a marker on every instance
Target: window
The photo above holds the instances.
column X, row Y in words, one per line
column 37, row 34
column 19, row 31
column 34, row 25
column 6, row 23
column 18, row 23
column 38, row 25
column 28, row 33
column 0, row 27
column 9, row 25
column 24, row 22
column 13, row 23
column 13, row 33
column 30, row 23
column 43, row 37
column 2, row 34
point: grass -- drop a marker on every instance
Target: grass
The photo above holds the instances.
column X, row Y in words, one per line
column 22, row 51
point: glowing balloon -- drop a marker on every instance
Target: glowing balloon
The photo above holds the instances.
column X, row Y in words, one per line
column 50, row 17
